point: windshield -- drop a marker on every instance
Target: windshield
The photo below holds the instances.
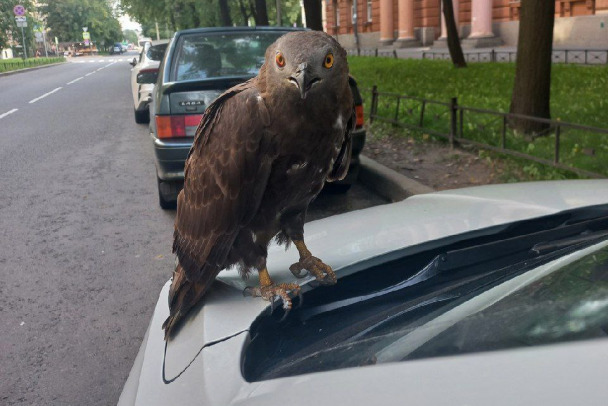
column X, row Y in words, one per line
column 210, row 55
column 526, row 286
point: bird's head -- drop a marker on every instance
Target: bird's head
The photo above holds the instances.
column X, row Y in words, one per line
column 309, row 64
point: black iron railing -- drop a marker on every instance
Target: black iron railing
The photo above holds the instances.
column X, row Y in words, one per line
column 561, row 144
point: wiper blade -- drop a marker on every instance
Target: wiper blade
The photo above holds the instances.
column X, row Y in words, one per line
column 545, row 247
column 520, row 246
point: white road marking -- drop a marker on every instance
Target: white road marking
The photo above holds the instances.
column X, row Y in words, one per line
column 8, row 113
column 91, row 61
column 101, row 60
column 89, row 74
column 112, row 60
column 75, row 80
column 45, row 95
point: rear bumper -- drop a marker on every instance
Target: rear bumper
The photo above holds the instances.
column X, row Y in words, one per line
column 170, row 157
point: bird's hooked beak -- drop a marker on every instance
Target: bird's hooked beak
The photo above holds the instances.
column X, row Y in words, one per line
column 303, row 79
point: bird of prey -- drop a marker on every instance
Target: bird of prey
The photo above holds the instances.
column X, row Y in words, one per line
column 262, row 152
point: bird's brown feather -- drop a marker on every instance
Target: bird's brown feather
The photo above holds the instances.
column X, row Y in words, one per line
column 262, row 152
column 226, row 164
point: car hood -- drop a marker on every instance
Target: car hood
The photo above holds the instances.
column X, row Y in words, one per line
column 206, row 352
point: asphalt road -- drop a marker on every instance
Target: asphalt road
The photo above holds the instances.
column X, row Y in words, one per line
column 84, row 247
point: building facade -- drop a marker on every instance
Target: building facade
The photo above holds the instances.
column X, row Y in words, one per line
column 481, row 23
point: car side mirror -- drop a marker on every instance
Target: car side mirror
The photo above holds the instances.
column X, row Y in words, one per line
column 133, row 62
column 147, row 76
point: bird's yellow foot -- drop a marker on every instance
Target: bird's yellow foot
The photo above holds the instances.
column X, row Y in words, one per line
column 270, row 292
column 321, row 271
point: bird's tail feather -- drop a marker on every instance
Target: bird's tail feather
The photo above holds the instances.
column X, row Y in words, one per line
column 183, row 295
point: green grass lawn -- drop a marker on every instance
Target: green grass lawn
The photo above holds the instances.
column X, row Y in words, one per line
column 578, row 95
column 7, row 65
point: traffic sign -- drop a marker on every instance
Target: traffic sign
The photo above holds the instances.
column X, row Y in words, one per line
column 19, row 10
column 86, row 35
column 20, row 19
column 85, row 29
column 38, row 35
column 87, row 42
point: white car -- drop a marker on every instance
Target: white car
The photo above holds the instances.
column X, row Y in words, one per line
column 148, row 62
column 493, row 295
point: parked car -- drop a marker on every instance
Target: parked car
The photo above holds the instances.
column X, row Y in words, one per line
column 491, row 295
column 200, row 64
column 148, row 62
column 117, row 48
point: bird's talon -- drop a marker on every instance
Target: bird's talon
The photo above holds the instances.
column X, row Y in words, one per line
column 285, row 313
column 296, row 269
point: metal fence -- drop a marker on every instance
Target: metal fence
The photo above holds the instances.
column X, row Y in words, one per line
column 567, row 56
column 561, row 145
column 14, row 64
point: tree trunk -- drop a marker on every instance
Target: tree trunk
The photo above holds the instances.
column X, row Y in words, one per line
column 532, row 88
column 314, row 20
column 452, row 34
column 261, row 13
column 225, row 18
column 244, row 13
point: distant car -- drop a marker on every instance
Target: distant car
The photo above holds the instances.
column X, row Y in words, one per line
column 124, row 48
column 117, row 48
column 492, row 295
column 148, row 62
column 200, row 64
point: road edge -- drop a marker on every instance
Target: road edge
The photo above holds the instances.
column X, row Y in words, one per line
column 387, row 182
column 12, row 72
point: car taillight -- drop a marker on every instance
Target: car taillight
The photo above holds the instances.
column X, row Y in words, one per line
column 359, row 114
column 177, row 126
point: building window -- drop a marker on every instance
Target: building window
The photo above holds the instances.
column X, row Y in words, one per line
column 352, row 11
column 369, row 11
column 337, row 15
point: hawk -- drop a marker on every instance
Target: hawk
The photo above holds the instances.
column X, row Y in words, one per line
column 262, row 152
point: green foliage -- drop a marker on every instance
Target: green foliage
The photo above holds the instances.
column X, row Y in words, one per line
column 130, row 36
column 66, row 18
column 182, row 14
column 576, row 97
column 7, row 65
column 8, row 27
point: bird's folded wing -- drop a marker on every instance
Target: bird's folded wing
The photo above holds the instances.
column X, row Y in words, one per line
column 225, row 177
column 342, row 162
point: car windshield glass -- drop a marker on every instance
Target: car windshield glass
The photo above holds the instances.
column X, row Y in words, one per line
column 525, row 286
column 156, row 52
column 209, row 55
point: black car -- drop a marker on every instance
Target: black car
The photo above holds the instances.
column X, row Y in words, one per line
column 198, row 66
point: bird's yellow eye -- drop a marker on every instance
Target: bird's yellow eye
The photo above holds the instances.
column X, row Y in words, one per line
column 280, row 59
column 329, row 60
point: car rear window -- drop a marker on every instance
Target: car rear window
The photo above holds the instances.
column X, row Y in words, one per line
column 210, row 55
column 156, row 52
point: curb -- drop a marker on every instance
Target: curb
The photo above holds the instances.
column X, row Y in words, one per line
column 388, row 183
column 30, row 69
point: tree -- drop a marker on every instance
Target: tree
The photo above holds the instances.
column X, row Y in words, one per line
column 532, row 88
column 453, row 40
column 130, row 36
column 9, row 32
column 66, row 18
column 314, row 19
